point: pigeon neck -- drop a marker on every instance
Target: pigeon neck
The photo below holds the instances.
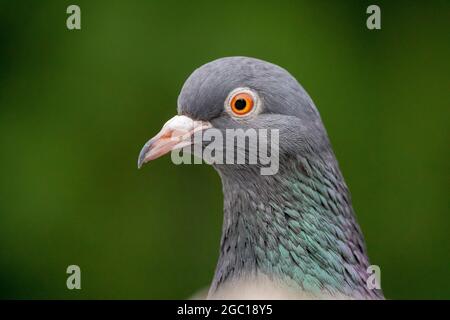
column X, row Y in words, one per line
column 297, row 226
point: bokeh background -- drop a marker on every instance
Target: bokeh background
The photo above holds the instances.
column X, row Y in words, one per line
column 76, row 107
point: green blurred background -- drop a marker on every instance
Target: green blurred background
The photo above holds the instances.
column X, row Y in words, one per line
column 77, row 106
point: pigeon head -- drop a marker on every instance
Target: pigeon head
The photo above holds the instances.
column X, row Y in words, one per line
column 242, row 93
column 292, row 229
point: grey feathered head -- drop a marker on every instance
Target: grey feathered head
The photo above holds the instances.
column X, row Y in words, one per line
column 279, row 103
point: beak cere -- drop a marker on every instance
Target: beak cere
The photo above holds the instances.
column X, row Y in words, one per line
column 176, row 133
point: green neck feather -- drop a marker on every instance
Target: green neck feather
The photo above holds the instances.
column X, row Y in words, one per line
column 297, row 226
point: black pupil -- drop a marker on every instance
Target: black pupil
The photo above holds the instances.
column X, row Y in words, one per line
column 240, row 104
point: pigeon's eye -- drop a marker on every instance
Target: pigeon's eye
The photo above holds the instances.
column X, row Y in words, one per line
column 242, row 103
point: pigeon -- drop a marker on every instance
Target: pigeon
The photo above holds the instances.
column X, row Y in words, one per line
column 291, row 234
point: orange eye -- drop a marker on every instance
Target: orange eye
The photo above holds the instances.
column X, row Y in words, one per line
column 242, row 103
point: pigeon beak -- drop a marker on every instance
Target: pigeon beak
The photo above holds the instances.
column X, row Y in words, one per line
column 175, row 134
